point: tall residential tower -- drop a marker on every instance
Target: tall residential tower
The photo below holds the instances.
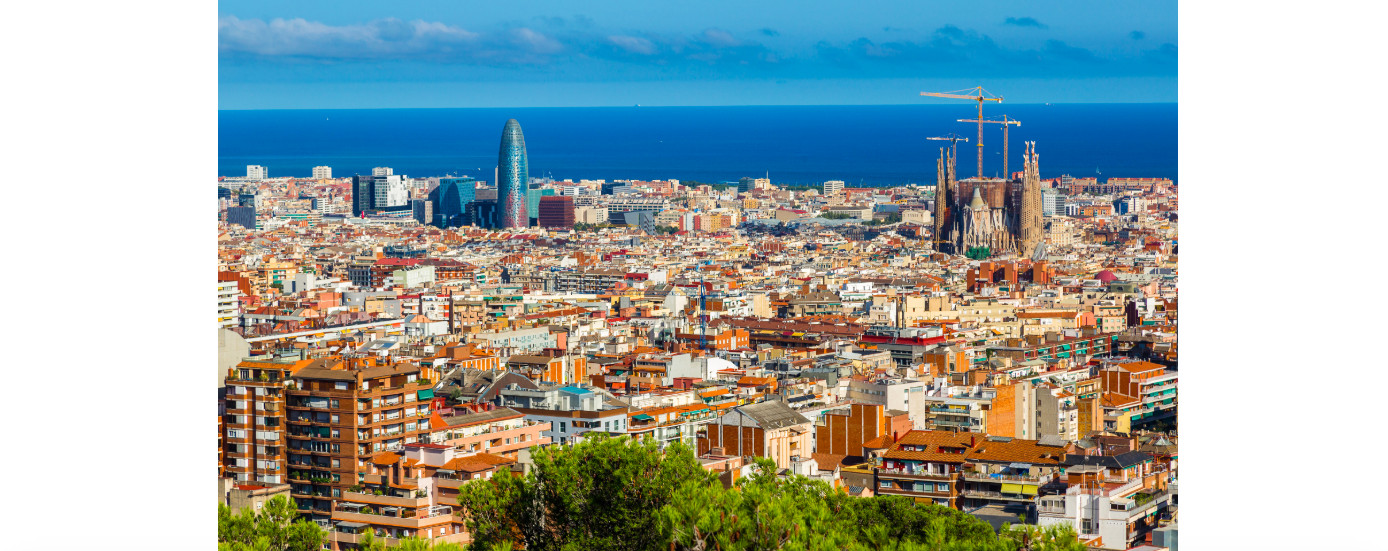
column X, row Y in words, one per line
column 513, row 177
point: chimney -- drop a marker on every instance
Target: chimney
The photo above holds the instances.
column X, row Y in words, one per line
column 972, row 440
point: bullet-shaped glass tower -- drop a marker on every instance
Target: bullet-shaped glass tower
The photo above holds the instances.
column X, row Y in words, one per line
column 513, row 177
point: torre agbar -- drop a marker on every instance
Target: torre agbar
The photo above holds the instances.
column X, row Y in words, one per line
column 1002, row 215
column 513, row 177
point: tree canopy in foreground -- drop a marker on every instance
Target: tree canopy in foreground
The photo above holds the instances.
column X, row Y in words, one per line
column 620, row 494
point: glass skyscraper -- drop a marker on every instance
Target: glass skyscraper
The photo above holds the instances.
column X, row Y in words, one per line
column 450, row 199
column 513, row 177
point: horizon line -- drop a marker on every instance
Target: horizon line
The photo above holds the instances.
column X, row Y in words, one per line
column 668, row 106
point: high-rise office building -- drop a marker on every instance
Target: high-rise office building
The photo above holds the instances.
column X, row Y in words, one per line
column 833, row 187
column 322, row 172
column 389, row 191
column 361, row 194
column 513, row 177
column 423, row 210
column 532, row 201
column 485, row 213
column 556, row 212
column 451, row 199
column 257, row 172
column 242, row 216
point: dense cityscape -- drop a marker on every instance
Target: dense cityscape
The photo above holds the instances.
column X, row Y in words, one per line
column 391, row 346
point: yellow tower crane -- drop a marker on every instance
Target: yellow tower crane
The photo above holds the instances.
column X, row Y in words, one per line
column 977, row 94
column 1005, row 122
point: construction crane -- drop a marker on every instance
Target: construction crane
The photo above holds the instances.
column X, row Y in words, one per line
column 952, row 139
column 1005, row 122
column 977, row 94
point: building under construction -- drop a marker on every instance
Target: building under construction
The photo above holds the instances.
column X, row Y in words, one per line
column 1002, row 215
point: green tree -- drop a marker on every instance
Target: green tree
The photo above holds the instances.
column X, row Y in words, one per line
column 274, row 528
column 978, row 253
column 604, row 493
column 1056, row 537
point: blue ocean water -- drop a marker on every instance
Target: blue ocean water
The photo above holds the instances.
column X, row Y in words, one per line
column 873, row 144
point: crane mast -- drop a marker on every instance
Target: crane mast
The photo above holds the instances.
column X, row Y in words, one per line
column 976, row 94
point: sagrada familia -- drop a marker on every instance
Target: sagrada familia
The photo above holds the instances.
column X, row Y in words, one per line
column 1001, row 215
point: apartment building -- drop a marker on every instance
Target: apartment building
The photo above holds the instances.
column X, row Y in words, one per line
column 669, row 424
column 253, row 427
column 924, row 466
column 897, row 394
column 570, row 410
column 1088, row 341
column 1005, row 475
column 842, row 431
column 1033, row 409
column 1150, row 387
column 501, row 431
column 591, row 281
column 411, row 493
column 958, row 414
column 766, row 429
column 228, row 304
column 1112, row 502
column 341, row 413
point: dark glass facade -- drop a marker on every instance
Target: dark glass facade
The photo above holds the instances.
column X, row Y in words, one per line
column 513, row 177
column 451, row 199
column 485, row 214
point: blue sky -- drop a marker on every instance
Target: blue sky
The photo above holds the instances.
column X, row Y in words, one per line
column 344, row 54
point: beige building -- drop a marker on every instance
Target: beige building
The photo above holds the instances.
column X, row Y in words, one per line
column 590, row 215
column 766, row 429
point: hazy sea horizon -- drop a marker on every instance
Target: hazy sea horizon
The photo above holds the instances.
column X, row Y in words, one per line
column 862, row 144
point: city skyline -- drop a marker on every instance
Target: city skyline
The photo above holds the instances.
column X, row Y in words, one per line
column 372, row 56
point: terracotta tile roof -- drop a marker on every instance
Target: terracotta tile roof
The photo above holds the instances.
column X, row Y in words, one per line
column 1114, row 399
column 1016, row 450
column 881, row 442
column 934, row 443
column 385, row 458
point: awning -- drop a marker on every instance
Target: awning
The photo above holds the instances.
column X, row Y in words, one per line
column 643, row 417
column 1029, row 489
column 1020, row 465
column 1011, row 488
column 350, row 525
column 426, row 394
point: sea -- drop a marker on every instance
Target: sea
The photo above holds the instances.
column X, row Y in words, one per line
column 863, row 145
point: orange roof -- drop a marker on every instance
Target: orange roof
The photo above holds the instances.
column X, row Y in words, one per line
column 1114, row 399
column 714, row 392
column 1016, row 450
column 933, row 441
column 385, row 458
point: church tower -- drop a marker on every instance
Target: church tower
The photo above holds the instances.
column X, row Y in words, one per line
column 944, row 177
column 1030, row 227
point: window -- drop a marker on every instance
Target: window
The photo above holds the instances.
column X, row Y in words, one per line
column 886, row 484
column 1087, row 526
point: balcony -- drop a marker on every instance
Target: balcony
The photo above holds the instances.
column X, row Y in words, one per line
column 985, row 494
column 912, row 493
column 954, row 411
column 1051, row 510
column 422, row 518
column 995, row 477
column 921, row 475
column 390, row 501
column 460, row 538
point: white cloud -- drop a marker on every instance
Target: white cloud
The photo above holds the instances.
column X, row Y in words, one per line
column 633, row 44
